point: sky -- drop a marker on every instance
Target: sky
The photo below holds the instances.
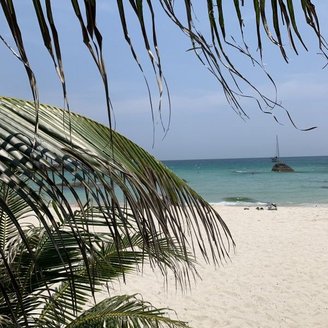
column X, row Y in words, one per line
column 202, row 125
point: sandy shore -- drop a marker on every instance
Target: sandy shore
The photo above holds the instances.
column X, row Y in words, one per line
column 278, row 276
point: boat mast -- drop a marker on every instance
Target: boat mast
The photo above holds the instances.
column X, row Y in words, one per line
column 277, row 148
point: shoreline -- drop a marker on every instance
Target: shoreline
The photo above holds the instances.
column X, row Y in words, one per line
column 265, row 205
column 277, row 276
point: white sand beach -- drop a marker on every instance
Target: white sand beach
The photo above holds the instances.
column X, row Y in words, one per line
column 278, row 276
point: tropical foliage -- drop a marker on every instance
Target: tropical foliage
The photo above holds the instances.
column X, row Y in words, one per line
column 47, row 277
column 81, row 206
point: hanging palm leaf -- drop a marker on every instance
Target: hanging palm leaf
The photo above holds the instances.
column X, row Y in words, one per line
column 278, row 20
column 91, row 193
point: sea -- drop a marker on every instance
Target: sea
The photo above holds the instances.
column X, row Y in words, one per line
column 250, row 181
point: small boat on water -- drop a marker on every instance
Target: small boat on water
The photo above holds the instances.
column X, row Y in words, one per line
column 279, row 166
column 276, row 158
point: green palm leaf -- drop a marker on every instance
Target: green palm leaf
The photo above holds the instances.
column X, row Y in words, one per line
column 76, row 176
column 126, row 312
column 108, row 264
column 105, row 164
column 18, row 208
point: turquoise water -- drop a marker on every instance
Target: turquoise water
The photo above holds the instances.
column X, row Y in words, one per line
column 251, row 181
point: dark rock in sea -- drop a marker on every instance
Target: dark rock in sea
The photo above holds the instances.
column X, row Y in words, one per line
column 282, row 167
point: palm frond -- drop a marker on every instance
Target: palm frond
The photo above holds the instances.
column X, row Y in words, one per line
column 48, row 302
column 9, row 11
column 74, row 180
column 8, row 229
column 278, row 21
column 107, row 264
column 154, row 196
column 127, row 312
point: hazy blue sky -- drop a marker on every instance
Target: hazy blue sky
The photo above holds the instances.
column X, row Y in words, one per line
column 203, row 125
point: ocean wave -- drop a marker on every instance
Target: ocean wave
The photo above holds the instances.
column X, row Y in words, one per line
column 287, row 204
column 240, row 200
column 225, row 203
column 247, row 172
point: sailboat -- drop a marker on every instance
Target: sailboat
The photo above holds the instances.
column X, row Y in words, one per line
column 279, row 166
column 276, row 158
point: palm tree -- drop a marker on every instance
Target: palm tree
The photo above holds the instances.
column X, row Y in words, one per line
column 101, row 204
